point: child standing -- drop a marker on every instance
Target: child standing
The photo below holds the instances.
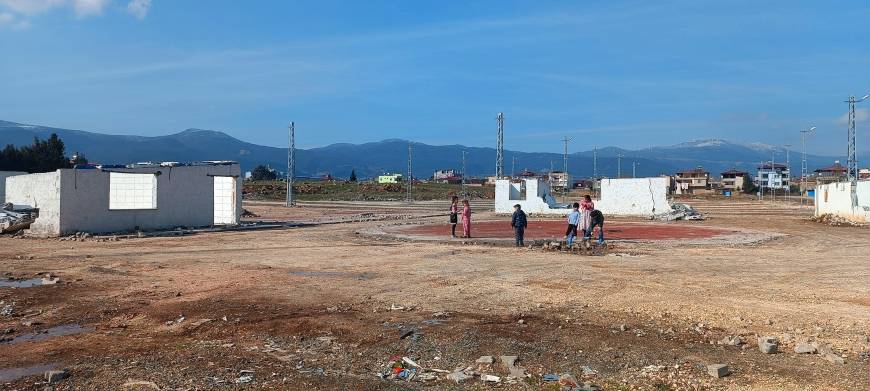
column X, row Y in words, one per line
column 573, row 222
column 519, row 222
column 466, row 219
column 454, row 215
column 586, row 206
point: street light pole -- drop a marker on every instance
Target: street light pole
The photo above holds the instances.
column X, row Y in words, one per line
column 788, row 168
column 804, row 134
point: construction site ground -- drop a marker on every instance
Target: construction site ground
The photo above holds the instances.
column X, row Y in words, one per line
column 324, row 306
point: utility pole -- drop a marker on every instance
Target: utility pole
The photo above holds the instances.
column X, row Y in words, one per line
column 619, row 166
column 513, row 163
column 565, row 140
column 761, row 181
column 499, row 158
column 804, row 134
column 852, row 162
column 410, row 175
column 773, row 172
column 464, row 190
column 788, row 168
column 291, row 165
column 634, row 169
column 594, row 163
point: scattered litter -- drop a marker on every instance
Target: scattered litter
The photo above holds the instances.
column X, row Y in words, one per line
column 180, row 319
column 410, row 362
column 459, row 376
column 245, row 376
column 510, row 363
column 55, row 376
column 550, row 378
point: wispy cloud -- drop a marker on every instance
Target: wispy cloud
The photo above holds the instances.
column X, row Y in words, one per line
column 862, row 114
column 139, row 8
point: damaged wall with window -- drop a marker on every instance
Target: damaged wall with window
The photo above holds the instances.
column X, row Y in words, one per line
column 121, row 199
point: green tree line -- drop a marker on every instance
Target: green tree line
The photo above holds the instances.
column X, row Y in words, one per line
column 41, row 156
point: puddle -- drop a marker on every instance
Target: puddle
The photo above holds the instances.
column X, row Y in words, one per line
column 331, row 274
column 30, row 282
column 8, row 375
column 57, row 331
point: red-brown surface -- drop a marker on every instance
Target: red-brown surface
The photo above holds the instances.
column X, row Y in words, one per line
column 556, row 229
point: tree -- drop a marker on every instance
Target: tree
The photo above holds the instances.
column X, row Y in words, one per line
column 41, row 156
column 352, row 175
column 748, row 186
column 263, row 173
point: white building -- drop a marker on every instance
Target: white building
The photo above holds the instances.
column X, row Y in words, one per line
column 624, row 197
column 772, row 176
column 139, row 197
column 444, row 174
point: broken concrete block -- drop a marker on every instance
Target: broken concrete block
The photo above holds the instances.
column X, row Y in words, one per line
column 805, row 348
column 490, row 378
column 458, row 376
column 485, row 360
column 510, row 363
column 768, row 345
column 55, row 376
column 568, row 380
column 718, row 370
column 834, row 358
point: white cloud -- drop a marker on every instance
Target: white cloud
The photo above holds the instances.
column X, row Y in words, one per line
column 862, row 114
column 9, row 20
column 29, row 8
column 139, row 8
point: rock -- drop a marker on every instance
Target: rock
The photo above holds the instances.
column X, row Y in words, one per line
column 587, row 371
column 521, row 321
column 459, row 376
column 732, row 340
column 485, row 360
column 510, row 363
column 834, row 358
column 245, row 376
column 768, row 345
column 490, row 378
column 718, row 370
column 805, row 348
column 568, row 380
column 55, row 376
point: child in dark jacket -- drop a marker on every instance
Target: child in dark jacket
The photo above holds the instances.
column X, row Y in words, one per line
column 519, row 222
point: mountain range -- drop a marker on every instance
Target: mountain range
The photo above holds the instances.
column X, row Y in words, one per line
column 371, row 159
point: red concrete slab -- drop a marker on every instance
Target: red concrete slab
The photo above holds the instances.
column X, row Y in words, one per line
column 556, row 229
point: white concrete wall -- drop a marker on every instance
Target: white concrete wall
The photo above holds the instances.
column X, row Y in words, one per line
column 634, row 196
column 3, row 176
column 838, row 199
column 538, row 198
column 38, row 191
column 185, row 198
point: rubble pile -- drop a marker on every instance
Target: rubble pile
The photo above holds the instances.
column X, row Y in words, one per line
column 835, row 221
column 680, row 211
column 12, row 220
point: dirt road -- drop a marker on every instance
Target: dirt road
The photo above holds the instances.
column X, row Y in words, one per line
column 310, row 308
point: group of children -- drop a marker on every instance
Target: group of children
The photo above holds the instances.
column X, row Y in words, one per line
column 583, row 217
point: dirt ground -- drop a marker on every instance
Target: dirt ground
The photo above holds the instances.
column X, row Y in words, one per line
column 323, row 307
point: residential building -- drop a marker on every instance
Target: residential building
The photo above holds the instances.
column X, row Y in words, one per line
column 772, row 176
column 390, row 178
column 732, row 180
column 694, row 181
column 864, row 174
column 443, row 174
column 834, row 173
column 559, row 181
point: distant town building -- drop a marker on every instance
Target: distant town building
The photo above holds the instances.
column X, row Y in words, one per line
column 864, row 174
column 830, row 174
column 443, row 174
column 772, row 176
column 732, row 180
column 694, row 181
column 559, row 180
column 390, row 178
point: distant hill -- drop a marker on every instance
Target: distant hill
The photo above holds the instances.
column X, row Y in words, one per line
column 370, row 159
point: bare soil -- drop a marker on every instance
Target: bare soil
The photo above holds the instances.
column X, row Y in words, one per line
column 310, row 307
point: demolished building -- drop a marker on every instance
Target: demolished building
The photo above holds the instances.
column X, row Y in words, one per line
column 849, row 200
column 621, row 197
column 128, row 198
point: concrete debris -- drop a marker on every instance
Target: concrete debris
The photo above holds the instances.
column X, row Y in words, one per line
column 834, row 358
column 805, row 348
column 7, row 310
column 680, row 211
column 768, row 345
column 55, row 376
column 490, row 378
column 510, row 363
column 718, row 370
column 732, row 340
column 459, row 376
column 16, row 220
column 485, row 360
column 836, row 221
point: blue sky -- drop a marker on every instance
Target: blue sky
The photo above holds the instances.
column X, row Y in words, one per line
column 629, row 74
